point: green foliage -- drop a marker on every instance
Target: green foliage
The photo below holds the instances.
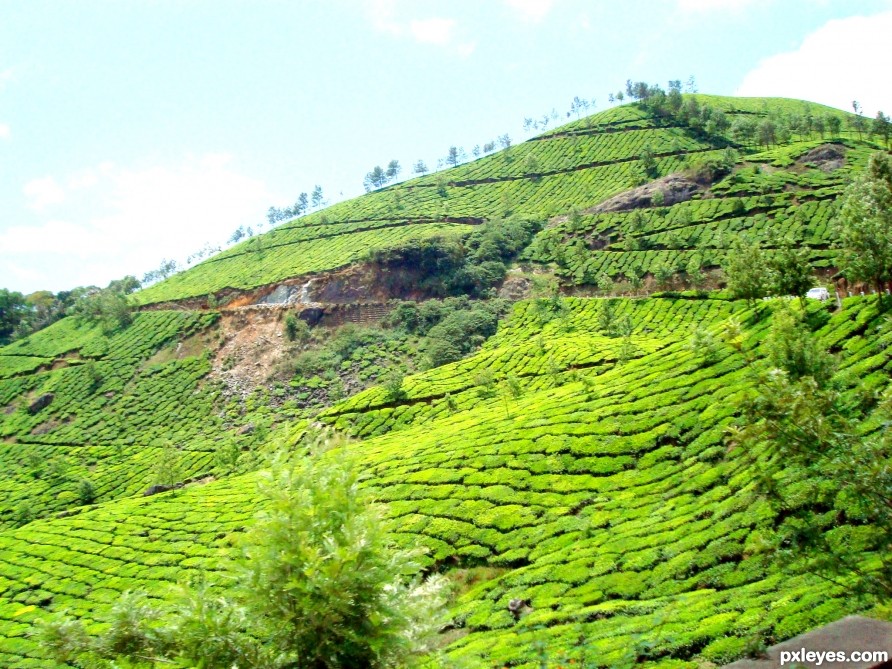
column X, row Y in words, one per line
column 790, row 271
column 168, row 468
column 607, row 319
column 393, row 386
column 86, row 492
column 793, row 349
column 704, row 346
column 295, row 329
column 442, row 266
column 864, row 226
column 485, row 383
column 110, row 309
column 317, row 584
column 458, row 333
column 811, row 426
column 13, row 308
column 746, row 271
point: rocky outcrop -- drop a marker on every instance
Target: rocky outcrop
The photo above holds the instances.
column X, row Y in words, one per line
column 41, row 403
column 675, row 188
column 827, row 157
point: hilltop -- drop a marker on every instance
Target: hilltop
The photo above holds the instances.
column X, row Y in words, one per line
column 509, row 342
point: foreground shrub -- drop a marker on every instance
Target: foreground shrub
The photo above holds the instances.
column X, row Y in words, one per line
column 317, row 584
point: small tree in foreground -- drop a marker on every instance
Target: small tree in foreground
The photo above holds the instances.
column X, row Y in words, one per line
column 317, row 584
column 808, row 444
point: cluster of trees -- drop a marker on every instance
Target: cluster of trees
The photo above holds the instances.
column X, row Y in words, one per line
column 167, row 268
column 205, row 251
column 107, row 307
column 304, row 204
column 578, row 106
column 456, row 155
column 753, row 273
column 444, row 266
column 22, row 315
column 765, row 130
column 378, row 176
column 450, row 328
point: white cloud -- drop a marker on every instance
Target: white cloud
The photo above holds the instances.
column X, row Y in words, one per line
column 123, row 221
column 4, row 131
column 437, row 31
column 83, row 179
column 432, row 31
column 715, row 5
column 465, row 49
column 43, row 193
column 6, row 75
column 843, row 60
column 382, row 14
column 531, row 11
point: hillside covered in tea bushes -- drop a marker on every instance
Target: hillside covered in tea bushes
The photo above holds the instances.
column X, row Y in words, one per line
column 537, row 368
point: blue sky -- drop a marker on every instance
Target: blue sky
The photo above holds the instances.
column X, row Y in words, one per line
column 132, row 130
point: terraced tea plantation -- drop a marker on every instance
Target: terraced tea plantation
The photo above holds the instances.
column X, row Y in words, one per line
column 602, row 491
column 115, row 405
column 575, row 166
column 578, row 461
column 762, row 202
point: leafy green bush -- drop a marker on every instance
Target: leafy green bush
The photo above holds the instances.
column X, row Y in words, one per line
column 86, row 492
column 317, row 584
column 296, row 329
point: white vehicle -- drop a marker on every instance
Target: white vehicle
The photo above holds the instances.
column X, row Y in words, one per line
column 818, row 294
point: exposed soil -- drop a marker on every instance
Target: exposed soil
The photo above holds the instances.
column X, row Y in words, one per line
column 253, row 344
column 43, row 428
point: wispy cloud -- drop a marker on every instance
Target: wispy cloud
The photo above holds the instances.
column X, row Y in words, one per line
column 433, row 31
column 105, row 221
column 834, row 65
column 6, row 75
column 384, row 15
column 43, row 193
column 717, row 5
column 530, row 11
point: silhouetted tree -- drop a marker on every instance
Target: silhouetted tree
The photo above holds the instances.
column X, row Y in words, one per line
column 302, row 204
column 452, row 156
column 316, row 197
column 857, row 122
column 374, row 179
